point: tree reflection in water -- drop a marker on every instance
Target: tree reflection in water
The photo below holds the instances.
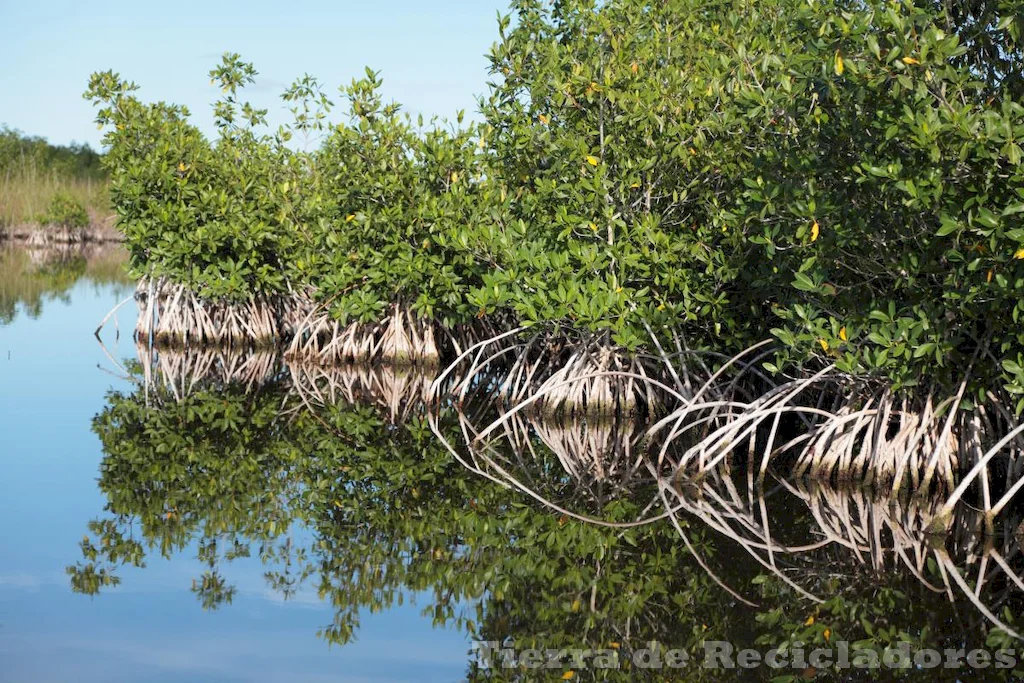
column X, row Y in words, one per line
column 342, row 481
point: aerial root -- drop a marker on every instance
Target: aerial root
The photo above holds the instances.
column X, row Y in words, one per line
column 400, row 338
column 174, row 315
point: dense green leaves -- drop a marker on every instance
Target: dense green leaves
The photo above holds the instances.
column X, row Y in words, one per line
column 846, row 176
column 65, row 211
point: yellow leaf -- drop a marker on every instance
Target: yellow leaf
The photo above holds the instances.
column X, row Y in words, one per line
column 576, row 605
column 634, row 185
column 568, row 675
column 455, row 177
column 815, row 231
column 481, row 143
column 824, row 344
column 285, row 187
column 349, row 218
column 1018, row 254
column 661, row 307
column 839, row 64
column 988, row 276
column 543, row 119
column 593, row 227
column 613, row 645
column 910, row 60
column 618, row 289
column 827, row 634
column 810, row 621
column 181, row 167
column 634, row 67
column 592, row 160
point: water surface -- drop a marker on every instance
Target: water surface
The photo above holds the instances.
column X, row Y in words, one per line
column 54, row 378
column 231, row 516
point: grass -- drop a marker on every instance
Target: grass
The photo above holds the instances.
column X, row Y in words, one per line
column 26, row 191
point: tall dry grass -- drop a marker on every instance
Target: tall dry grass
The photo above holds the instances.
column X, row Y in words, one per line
column 26, row 191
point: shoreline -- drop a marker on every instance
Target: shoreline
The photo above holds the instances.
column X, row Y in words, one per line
column 34, row 233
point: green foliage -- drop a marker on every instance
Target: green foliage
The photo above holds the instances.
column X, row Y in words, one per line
column 211, row 216
column 66, row 212
column 844, row 176
column 884, row 618
column 832, row 172
column 19, row 152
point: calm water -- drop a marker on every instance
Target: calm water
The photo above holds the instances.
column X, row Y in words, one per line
column 229, row 517
column 151, row 627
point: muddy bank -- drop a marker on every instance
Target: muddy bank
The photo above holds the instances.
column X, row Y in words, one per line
column 101, row 228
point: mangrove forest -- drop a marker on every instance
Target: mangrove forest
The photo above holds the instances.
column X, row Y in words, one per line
column 706, row 324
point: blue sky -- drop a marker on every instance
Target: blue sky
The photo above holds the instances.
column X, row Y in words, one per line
column 431, row 54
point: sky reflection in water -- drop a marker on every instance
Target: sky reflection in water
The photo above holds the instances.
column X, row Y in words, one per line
column 149, row 628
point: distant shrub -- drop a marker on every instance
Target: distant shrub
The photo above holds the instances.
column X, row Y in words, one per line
column 21, row 153
column 65, row 211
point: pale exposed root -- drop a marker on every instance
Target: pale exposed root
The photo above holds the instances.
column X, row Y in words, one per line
column 111, row 314
column 881, row 440
column 834, row 428
column 173, row 315
column 456, row 340
column 874, row 530
column 601, row 450
column 182, row 371
column 398, row 390
column 585, row 386
column 736, row 423
column 451, row 379
column 322, row 339
column 498, row 385
column 51, row 235
column 400, row 338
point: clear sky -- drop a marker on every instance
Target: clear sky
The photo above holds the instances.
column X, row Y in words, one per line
column 431, row 54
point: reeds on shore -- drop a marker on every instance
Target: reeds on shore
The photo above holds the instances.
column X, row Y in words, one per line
column 26, row 191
